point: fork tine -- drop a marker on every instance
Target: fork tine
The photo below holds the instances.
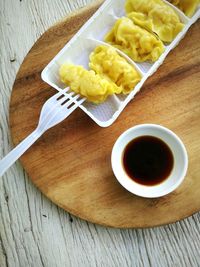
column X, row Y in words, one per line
column 51, row 102
column 65, row 97
column 58, row 112
column 62, row 92
column 71, row 101
column 57, row 95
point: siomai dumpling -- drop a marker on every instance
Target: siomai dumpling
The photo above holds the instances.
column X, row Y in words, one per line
column 155, row 16
column 137, row 43
column 187, row 6
column 106, row 62
column 86, row 83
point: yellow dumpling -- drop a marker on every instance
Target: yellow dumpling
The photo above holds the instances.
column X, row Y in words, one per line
column 155, row 16
column 110, row 65
column 187, row 6
column 86, row 83
column 137, row 43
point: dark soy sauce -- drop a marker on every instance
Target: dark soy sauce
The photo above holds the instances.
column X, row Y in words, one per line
column 148, row 160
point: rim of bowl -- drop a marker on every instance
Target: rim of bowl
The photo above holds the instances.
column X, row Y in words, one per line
column 149, row 194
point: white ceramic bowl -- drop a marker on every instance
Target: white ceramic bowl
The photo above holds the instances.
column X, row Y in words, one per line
column 179, row 153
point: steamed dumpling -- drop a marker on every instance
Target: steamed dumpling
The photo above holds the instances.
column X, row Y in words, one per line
column 106, row 62
column 187, row 6
column 86, row 83
column 155, row 16
column 137, row 43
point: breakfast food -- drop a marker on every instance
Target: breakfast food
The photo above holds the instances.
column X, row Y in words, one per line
column 106, row 62
column 110, row 74
column 187, row 6
column 155, row 16
column 140, row 35
column 86, row 83
column 139, row 44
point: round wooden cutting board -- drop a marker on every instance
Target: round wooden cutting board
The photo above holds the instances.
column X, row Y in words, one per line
column 70, row 163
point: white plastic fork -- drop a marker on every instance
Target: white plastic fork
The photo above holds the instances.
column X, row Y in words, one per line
column 55, row 110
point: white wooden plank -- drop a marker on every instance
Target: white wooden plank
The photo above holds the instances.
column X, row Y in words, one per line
column 34, row 231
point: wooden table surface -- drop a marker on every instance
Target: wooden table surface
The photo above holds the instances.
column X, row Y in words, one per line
column 34, row 231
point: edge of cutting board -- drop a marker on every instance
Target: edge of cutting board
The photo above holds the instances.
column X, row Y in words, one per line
column 70, row 165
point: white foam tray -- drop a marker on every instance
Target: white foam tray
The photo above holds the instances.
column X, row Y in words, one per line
column 92, row 33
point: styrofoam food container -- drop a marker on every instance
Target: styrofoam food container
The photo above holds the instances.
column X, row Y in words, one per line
column 92, row 33
column 177, row 147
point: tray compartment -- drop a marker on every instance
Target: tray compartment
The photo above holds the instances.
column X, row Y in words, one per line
column 78, row 49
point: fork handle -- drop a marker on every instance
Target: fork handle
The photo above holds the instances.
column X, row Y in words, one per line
column 14, row 154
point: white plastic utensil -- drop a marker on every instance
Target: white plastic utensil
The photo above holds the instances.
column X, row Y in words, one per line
column 55, row 110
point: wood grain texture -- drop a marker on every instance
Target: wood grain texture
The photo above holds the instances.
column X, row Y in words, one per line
column 35, row 232
column 60, row 163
